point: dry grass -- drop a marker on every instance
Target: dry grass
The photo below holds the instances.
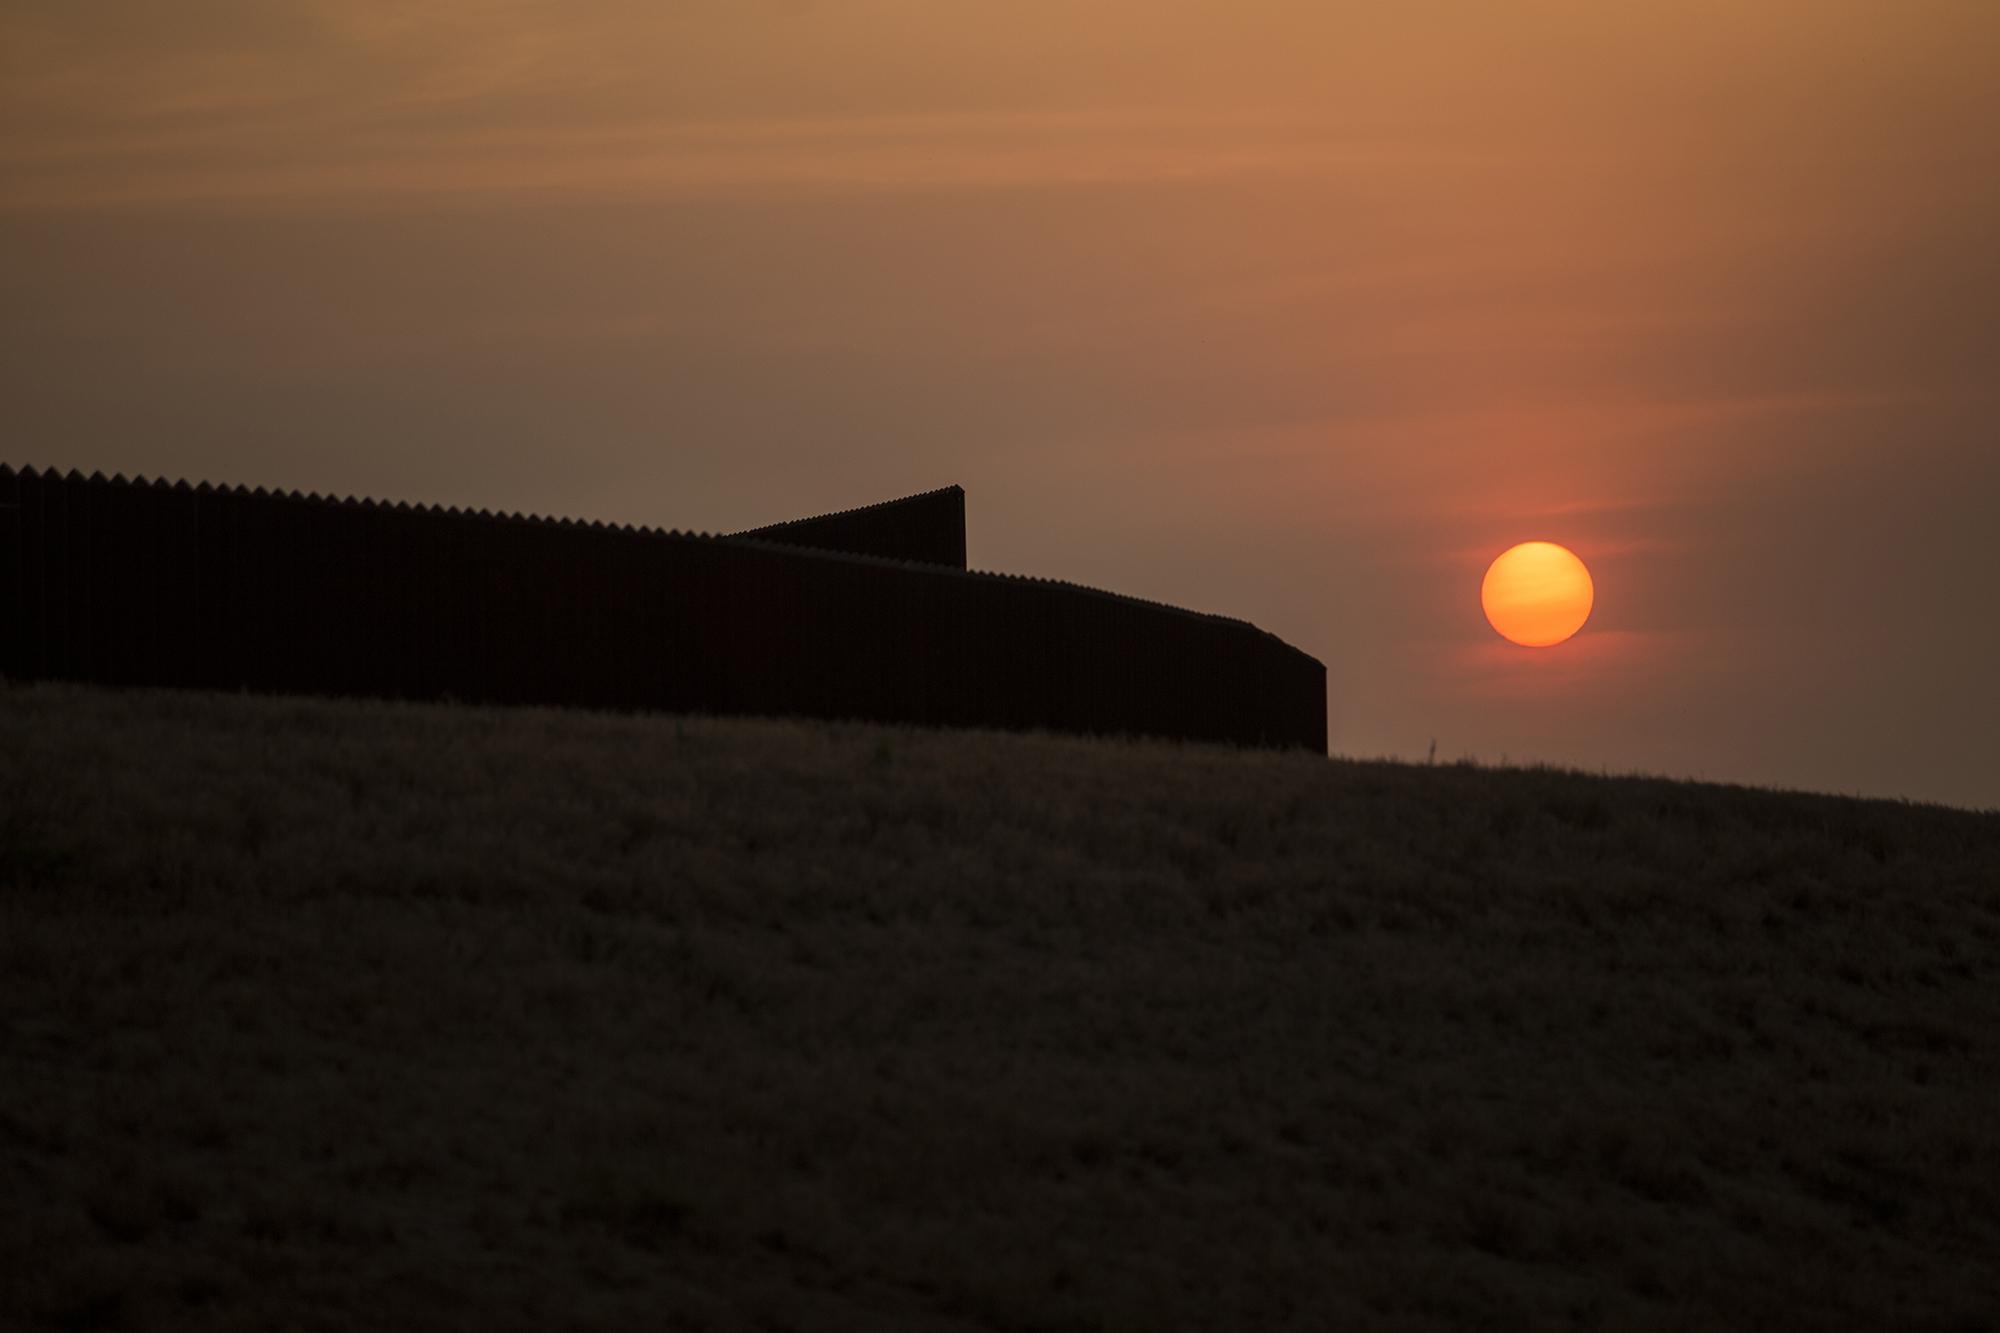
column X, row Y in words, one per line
column 324, row 1015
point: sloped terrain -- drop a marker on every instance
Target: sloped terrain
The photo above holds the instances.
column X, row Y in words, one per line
column 328, row 1015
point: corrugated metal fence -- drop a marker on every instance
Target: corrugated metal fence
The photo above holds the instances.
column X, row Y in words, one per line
column 150, row 583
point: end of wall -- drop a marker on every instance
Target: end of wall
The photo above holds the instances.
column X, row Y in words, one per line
column 926, row 529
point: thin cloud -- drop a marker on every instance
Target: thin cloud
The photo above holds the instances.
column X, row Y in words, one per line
column 229, row 163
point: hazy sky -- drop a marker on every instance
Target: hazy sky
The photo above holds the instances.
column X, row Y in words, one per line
column 1298, row 311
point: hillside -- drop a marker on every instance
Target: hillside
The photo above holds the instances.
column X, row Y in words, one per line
column 328, row 1015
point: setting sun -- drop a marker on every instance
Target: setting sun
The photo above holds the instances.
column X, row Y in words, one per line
column 1537, row 594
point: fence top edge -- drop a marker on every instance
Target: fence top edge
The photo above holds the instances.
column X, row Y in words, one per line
column 918, row 497
column 788, row 551
column 749, row 539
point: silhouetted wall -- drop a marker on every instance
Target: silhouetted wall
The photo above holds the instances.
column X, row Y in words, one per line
column 137, row 583
column 927, row 528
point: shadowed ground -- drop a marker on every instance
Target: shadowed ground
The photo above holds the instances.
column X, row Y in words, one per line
column 321, row 1015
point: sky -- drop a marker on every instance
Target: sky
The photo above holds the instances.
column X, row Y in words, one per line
column 1297, row 312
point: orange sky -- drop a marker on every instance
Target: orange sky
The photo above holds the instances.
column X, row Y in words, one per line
column 1295, row 312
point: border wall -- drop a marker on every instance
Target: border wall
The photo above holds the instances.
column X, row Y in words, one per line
column 154, row 584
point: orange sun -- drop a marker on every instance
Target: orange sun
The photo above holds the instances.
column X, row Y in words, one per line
column 1537, row 594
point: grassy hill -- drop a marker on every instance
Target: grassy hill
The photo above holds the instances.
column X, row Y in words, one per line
column 327, row 1015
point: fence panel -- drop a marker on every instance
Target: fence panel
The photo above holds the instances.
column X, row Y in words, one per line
column 258, row 633
column 176, row 583
column 85, row 518
column 281, row 657
column 33, row 653
column 120, row 576
column 487, row 610
column 347, row 609
column 247, row 636
column 210, row 613
column 674, row 570
column 13, row 634
column 60, row 576
column 223, row 558
column 427, row 667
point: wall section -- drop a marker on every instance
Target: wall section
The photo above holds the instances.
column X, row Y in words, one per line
column 148, row 583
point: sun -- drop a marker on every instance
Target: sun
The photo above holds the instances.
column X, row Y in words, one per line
column 1537, row 594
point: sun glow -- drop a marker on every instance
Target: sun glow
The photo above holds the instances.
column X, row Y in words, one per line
column 1537, row 594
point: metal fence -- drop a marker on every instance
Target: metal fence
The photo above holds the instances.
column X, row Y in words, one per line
column 158, row 584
